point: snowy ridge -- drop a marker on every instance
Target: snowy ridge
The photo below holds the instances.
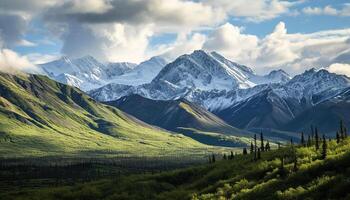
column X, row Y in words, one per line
column 87, row 73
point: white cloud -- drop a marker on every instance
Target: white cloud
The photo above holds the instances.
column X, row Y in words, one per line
column 121, row 42
column 228, row 40
column 184, row 44
column 328, row 10
column 11, row 62
column 257, row 10
column 340, row 68
column 279, row 49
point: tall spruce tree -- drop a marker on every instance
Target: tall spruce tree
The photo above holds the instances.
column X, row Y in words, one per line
column 317, row 146
column 259, row 154
column 295, row 161
column 345, row 132
column 324, row 148
column 231, row 156
column 308, row 141
column 302, row 140
column 337, row 137
column 224, row 157
column 213, row 158
column 341, row 129
column 312, row 133
column 262, row 141
column 255, row 147
column 267, row 146
column 251, row 148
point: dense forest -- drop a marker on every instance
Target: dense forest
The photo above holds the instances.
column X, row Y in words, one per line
column 315, row 167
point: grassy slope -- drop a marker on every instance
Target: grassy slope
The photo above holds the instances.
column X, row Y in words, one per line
column 240, row 178
column 184, row 117
column 40, row 117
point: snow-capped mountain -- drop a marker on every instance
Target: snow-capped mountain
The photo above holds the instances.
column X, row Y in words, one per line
column 87, row 73
column 277, row 105
column 205, row 71
column 194, row 75
column 142, row 73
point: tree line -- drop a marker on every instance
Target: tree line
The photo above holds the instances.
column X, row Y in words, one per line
column 313, row 139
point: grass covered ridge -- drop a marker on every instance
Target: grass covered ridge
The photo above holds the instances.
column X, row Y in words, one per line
column 40, row 117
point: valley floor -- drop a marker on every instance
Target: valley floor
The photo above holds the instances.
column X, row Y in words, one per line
column 304, row 174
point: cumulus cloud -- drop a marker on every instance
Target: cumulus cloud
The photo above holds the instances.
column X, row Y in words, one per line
column 279, row 49
column 340, row 68
column 328, row 10
column 184, row 44
column 11, row 62
column 230, row 41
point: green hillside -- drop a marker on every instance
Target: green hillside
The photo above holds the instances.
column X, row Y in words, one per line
column 184, row 117
column 40, row 117
column 312, row 177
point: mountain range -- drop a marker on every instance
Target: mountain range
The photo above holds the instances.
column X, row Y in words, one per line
column 233, row 92
column 87, row 73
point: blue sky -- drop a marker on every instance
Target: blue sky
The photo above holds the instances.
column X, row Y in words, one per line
column 248, row 32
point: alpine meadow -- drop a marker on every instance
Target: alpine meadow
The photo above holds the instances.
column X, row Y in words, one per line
column 174, row 99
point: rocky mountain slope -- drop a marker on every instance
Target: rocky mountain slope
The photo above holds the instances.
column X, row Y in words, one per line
column 184, row 117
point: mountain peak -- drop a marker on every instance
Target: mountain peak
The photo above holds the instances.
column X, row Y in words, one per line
column 205, row 71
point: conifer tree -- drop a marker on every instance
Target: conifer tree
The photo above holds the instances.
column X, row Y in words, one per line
column 225, row 157
column 302, row 140
column 312, row 133
column 341, row 129
column 213, row 158
column 244, row 151
column 210, row 159
column 338, row 137
column 282, row 170
column 251, row 148
column 308, row 141
column 261, row 141
column 345, row 132
column 255, row 147
column 324, row 148
column 316, row 139
column 231, row 157
column 295, row 166
column 259, row 154
column 291, row 141
column 267, row 146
